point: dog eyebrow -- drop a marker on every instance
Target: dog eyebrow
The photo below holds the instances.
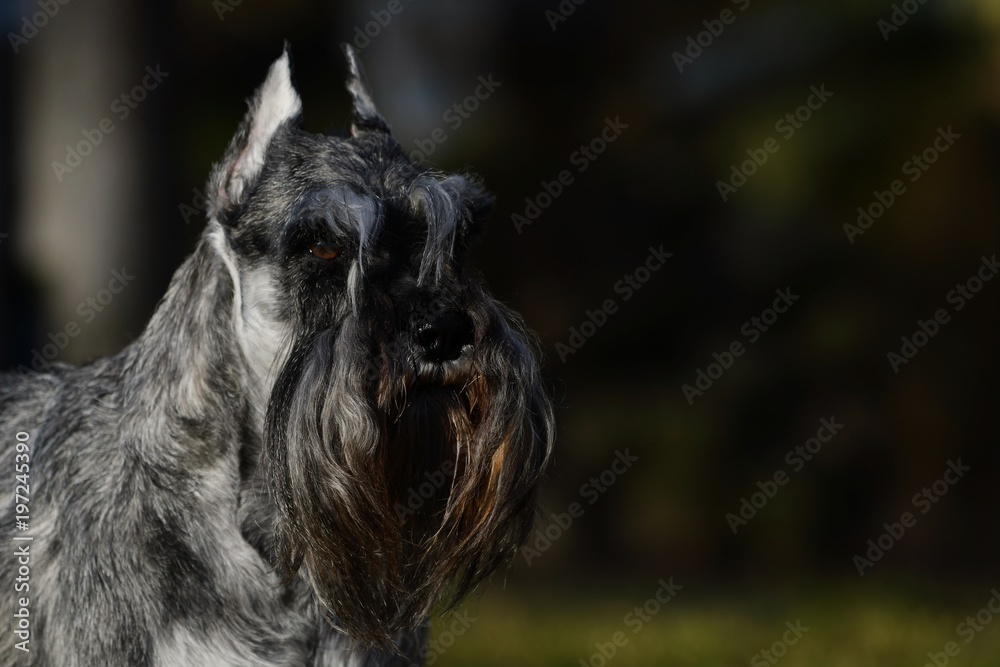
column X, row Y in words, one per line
column 343, row 207
column 440, row 203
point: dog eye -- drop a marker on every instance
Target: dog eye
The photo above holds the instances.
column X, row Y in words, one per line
column 325, row 251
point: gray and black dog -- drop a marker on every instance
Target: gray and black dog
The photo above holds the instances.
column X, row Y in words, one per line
column 236, row 487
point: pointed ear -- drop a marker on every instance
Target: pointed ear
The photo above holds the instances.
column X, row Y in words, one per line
column 273, row 106
column 364, row 116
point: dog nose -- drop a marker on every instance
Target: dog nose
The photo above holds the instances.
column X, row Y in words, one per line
column 443, row 338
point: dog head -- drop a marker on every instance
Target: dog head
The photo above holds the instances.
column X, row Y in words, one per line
column 406, row 426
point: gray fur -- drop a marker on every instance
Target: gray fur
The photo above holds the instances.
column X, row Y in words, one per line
column 225, row 490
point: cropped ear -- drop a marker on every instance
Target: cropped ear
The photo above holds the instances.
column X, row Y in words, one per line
column 273, row 105
column 364, row 116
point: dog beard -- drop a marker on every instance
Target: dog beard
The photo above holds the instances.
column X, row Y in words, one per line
column 397, row 488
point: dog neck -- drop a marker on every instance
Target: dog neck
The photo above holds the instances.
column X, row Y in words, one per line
column 184, row 368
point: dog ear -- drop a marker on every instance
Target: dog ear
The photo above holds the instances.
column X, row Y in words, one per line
column 364, row 116
column 273, row 106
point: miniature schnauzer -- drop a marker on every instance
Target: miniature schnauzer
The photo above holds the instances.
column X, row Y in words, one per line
column 236, row 486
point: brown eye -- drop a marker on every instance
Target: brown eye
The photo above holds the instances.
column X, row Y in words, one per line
column 325, row 251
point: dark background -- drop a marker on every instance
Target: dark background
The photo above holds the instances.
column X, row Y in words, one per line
column 656, row 184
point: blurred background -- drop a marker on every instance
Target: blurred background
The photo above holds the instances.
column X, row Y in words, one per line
column 762, row 492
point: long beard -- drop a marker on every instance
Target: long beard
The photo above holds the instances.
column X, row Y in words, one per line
column 395, row 494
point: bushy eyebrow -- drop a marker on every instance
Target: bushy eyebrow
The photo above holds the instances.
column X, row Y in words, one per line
column 346, row 210
column 441, row 203
column 444, row 203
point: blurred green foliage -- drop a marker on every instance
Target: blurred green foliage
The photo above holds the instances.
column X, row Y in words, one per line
column 845, row 626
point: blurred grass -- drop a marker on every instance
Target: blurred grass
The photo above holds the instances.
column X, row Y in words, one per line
column 848, row 627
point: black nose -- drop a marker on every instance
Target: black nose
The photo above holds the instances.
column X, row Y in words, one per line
column 443, row 338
